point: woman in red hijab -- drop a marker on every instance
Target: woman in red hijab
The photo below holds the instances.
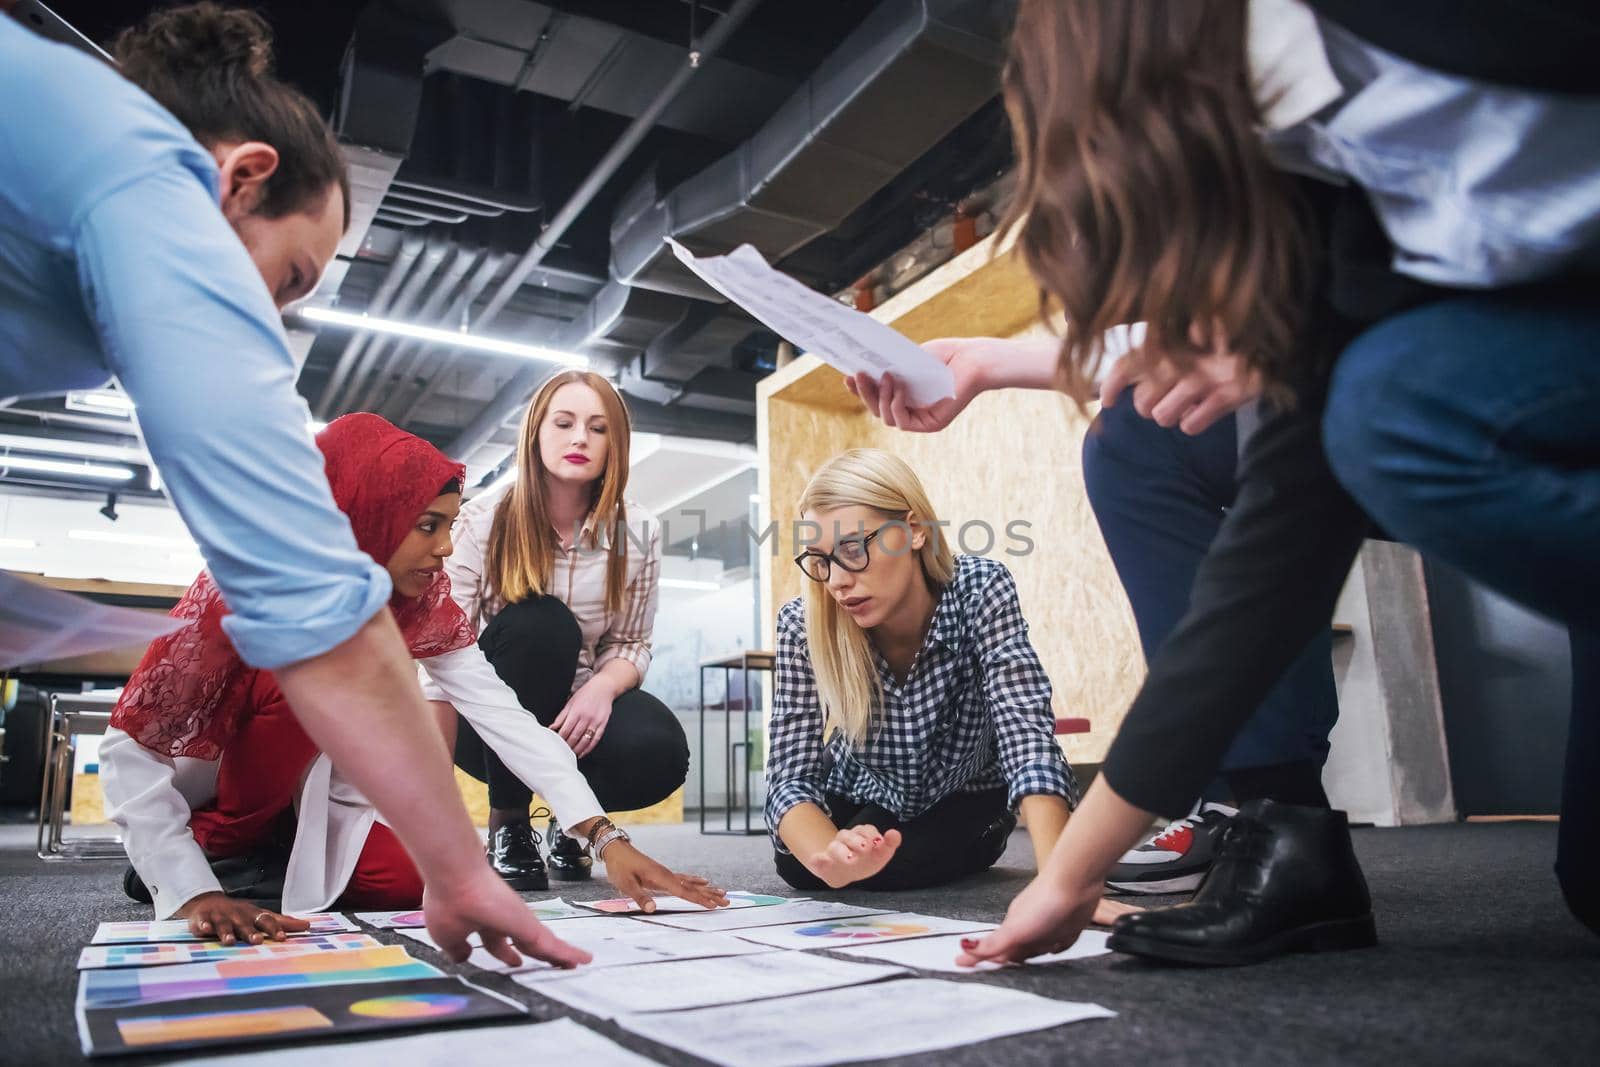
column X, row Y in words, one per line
column 205, row 762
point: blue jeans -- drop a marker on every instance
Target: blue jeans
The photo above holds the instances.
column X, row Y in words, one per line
column 1470, row 428
column 1160, row 496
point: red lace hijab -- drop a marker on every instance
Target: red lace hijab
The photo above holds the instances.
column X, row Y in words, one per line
column 186, row 695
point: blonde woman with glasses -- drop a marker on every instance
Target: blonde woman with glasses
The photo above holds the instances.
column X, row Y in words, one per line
column 912, row 717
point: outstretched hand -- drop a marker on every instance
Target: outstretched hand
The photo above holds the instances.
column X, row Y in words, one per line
column 1042, row 919
column 485, row 905
column 638, row 876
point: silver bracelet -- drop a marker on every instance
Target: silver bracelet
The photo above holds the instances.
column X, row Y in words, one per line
column 606, row 836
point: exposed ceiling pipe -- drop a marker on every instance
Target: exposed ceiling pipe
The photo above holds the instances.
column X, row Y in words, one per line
column 513, row 397
column 439, row 290
column 410, row 248
column 433, row 253
column 120, row 427
column 451, row 204
column 485, row 274
column 500, row 201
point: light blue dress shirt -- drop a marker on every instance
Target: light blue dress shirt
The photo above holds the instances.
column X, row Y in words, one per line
column 1478, row 186
column 115, row 260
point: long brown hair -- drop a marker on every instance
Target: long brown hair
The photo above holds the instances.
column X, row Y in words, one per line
column 211, row 67
column 1144, row 192
column 520, row 559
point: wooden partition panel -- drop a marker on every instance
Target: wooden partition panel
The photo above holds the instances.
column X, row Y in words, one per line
column 1011, row 458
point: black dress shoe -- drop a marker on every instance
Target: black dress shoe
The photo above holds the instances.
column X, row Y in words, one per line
column 569, row 857
column 1285, row 879
column 514, row 854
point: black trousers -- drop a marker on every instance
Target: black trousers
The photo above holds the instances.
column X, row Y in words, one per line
column 963, row 834
column 642, row 757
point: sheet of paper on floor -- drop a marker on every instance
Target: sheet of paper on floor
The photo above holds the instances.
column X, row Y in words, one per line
column 697, row 983
column 165, row 952
column 546, row 911
column 624, row 949
column 836, row 933
column 819, row 325
column 283, row 1014
column 148, row 985
column 128, row 933
column 513, row 1045
column 939, row 953
column 899, row 1018
column 795, row 911
column 736, row 899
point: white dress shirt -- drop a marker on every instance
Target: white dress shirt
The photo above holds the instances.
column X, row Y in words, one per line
column 151, row 796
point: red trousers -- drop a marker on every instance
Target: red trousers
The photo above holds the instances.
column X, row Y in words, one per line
column 257, row 781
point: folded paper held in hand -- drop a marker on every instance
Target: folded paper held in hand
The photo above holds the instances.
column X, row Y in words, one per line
column 816, row 323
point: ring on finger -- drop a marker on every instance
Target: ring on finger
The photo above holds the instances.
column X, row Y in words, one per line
column 263, row 915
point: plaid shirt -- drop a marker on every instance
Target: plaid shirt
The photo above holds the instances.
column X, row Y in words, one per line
column 974, row 713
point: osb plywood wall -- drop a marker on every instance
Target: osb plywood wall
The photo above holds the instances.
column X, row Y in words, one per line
column 1011, row 456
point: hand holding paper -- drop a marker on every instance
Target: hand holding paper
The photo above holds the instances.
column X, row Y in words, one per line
column 843, row 337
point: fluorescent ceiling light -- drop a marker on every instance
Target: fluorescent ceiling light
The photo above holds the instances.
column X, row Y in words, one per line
column 17, row 542
column 99, row 401
column 97, row 471
column 57, row 446
column 454, row 338
column 150, row 540
column 687, row 583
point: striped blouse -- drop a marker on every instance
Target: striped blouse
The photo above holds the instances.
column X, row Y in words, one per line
column 579, row 580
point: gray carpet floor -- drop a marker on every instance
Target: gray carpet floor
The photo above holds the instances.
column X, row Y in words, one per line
column 1479, row 963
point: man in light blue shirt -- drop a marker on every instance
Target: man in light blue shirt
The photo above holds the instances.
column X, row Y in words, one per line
column 115, row 260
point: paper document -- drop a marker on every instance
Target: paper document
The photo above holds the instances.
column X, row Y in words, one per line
column 543, row 910
column 559, row 1041
column 38, row 624
column 939, row 953
column 837, row 933
column 664, row 903
column 620, row 949
column 889, row 1019
column 152, row 955
column 816, row 323
column 795, row 911
column 697, row 983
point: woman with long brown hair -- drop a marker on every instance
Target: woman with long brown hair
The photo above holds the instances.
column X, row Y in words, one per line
column 1411, row 306
column 560, row 572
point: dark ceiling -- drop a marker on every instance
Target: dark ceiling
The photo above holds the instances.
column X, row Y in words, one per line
column 828, row 133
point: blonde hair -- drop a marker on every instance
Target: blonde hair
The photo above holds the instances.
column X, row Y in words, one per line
column 841, row 651
column 520, row 559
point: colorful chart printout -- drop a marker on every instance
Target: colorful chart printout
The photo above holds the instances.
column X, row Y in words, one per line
column 313, row 1011
column 152, row 955
column 129, row 933
column 836, row 933
column 147, row 985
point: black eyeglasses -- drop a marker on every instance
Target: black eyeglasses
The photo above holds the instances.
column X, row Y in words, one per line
column 850, row 554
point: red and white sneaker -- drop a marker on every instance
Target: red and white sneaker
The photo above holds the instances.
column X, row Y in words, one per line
column 1176, row 859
